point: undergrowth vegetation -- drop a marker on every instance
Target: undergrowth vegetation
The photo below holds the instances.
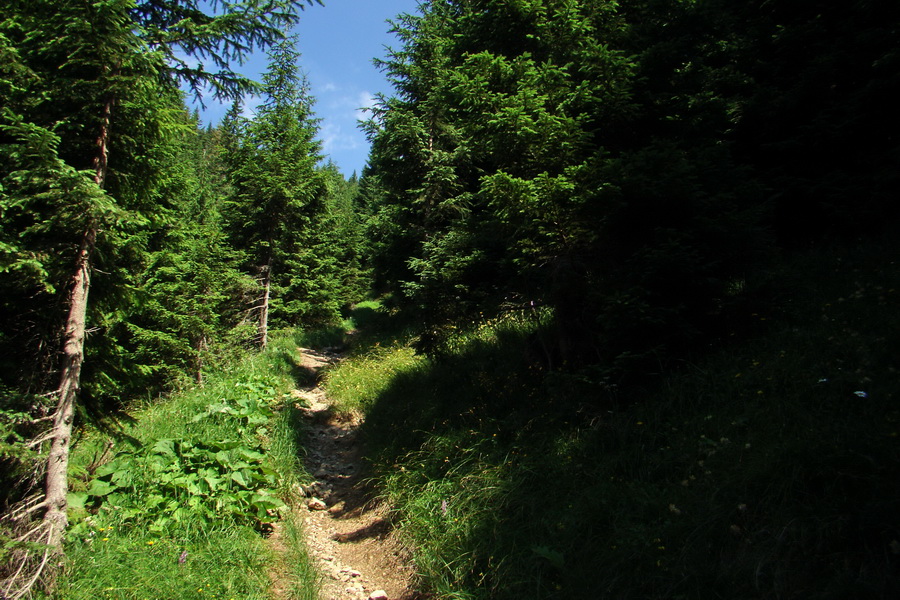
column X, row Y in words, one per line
column 767, row 468
column 172, row 502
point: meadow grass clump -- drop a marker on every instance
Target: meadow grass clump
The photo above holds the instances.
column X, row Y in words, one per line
column 121, row 563
column 366, row 314
column 171, row 503
column 452, row 500
column 360, row 379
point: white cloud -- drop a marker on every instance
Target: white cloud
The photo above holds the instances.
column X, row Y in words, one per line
column 365, row 101
column 251, row 103
column 335, row 138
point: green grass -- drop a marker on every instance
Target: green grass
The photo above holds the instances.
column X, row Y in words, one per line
column 768, row 468
column 301, row 578
column 363, row 377
column 222, row 563
column 379, row 352
column 177, row 497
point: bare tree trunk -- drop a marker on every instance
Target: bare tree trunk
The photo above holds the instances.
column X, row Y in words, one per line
column 56, row 487
column 70, row 381
column 264, row 307
column 201, row 347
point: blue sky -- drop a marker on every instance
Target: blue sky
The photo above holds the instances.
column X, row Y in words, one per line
column 337, row 43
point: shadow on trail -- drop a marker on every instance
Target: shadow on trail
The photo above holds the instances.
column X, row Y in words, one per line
column 377, row 529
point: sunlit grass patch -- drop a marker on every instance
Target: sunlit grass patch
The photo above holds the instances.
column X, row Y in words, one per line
column 220, row 563
column 357, row 381
column 173, row 502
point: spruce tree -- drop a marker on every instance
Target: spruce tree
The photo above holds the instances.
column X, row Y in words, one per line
column 523, row 163
column 190, row 285
column 278, row 193
column 86, row 85
column 343, row 231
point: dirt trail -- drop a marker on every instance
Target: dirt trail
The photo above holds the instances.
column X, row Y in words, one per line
column 349, row 533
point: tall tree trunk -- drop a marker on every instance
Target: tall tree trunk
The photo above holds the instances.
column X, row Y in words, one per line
column 29, row 571
column 264, row 307
column 56, row 487
column 56, row 484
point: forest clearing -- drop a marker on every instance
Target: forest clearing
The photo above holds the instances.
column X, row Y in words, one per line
column 612, row 310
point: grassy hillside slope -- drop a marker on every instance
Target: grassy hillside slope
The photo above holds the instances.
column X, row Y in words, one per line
column 767, row 468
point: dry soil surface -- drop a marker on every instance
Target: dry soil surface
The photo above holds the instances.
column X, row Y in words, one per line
column 348, row 531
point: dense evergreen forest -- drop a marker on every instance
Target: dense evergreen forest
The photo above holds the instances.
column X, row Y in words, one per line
column 627, row 165
column 635, row 181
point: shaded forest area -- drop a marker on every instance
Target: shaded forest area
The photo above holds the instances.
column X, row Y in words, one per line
column 634, row 167
column 641, row 186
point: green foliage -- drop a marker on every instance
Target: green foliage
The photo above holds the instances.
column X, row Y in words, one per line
column 103, row 181
column 17, row 427
column 166, row 481
column 450, row 518
column 536, row 172
column 815, row 79
column 276, row 212
column 342, row 234
column 199, row 473
column 86, row 132
column 190, row 287
column 622, row 163
column 223, row 36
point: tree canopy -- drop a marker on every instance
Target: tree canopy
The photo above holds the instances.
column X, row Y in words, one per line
column 624, row 165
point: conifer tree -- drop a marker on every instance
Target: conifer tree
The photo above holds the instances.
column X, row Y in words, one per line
column 493, row 126
column 87, row 81
column 278, row 192
column 343, row 231
column 522, row 163
column 191, row 284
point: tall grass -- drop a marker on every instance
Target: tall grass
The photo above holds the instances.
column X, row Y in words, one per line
column 156, row 536
column 362, row 378
column 768, row 468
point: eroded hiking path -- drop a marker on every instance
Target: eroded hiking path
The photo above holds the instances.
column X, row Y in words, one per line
column 348, row 532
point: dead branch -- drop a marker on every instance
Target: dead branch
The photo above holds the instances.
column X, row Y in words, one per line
column 45, row 438
column 24, row 537
column 18, row 585
column 12, row 580
column 25, row 503
column 37, row 573
column 22, row 511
